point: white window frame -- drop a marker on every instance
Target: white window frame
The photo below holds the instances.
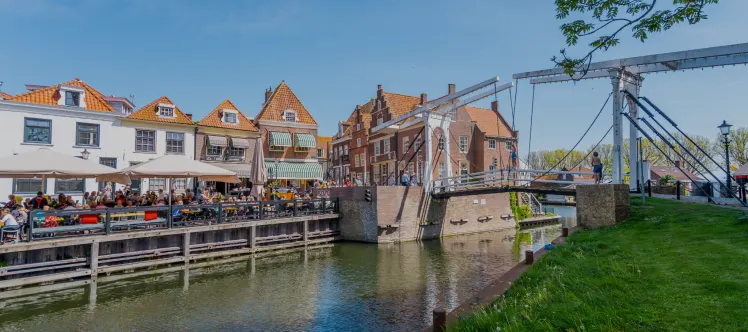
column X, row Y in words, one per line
column 286, row 113
column 492, row 144
column 301, row 149
column 379, row 121
column 277, row 148
column 179, row 147
column 358, row 126
column 213, row 148
column 155, row 139
column 345, row 150
column 226, row 117
column 377, row 148
column 166, row 111
column 406, row 141
column 509, row 145
column 463, row 143
column 386, row 148
column 320, row 153
column 355, row 160
column 363, row 159
column 95, row 134
column 358, row 142
column 76, row 101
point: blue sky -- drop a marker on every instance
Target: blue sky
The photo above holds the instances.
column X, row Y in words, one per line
column 334, row 53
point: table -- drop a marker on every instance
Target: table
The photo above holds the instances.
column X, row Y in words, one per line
column 127, row 215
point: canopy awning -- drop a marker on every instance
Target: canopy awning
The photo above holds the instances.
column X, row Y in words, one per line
column 293, row 170
column 45, row 163
column 240, row 143
column 278, row 138
column 305, row 141
column 217, row 141
column 175, row 166
column 242, row 170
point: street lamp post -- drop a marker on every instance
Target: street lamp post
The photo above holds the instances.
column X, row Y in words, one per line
column 724, row 128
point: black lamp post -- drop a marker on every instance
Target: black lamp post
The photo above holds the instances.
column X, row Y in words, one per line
column 724, row 128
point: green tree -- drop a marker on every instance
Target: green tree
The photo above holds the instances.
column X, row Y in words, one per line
column 611, row 17
column 738, row 147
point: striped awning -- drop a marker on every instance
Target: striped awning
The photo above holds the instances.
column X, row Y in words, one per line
column 218, row 141
column 278, row 138
column 242, row 170
column 240, row 143
column 293, row 170
column 305, row 141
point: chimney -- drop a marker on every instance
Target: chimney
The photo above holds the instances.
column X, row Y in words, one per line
column 424, row 98
column 495, row 106
column 379, row 90
column 677, row 163
column 268, row 93
column 451, row 88
column 189, row 116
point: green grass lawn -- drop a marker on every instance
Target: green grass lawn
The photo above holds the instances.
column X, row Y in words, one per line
column 672, row 267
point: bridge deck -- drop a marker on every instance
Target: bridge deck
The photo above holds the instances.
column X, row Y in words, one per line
column 504, row 189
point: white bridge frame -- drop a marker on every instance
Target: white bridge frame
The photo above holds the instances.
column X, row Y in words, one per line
column 626, row 74
column 506, row 177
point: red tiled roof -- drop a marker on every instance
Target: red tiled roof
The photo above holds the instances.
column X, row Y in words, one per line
column 51, row 94
column 5, row 96
column 281, row 100
column 214, row 118
column 148, row 113
column 489, row 122
column 674, row 172
column 400, row 104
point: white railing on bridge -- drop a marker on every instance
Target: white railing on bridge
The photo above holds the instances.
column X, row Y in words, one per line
column 503, row 177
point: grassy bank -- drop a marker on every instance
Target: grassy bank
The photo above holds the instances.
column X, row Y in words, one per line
column 673, row 267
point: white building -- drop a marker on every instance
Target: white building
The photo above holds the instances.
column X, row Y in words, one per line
column 75, row 119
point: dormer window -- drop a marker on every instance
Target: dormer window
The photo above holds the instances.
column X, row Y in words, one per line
column 72, row 98
column 289, row 116
column 230, row 116
column 166, row 110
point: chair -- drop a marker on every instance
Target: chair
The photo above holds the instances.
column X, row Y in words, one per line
column 5, row 230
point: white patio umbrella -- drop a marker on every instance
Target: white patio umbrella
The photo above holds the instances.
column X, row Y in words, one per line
column 45, row 163
column 177, row 167
column 259, row 173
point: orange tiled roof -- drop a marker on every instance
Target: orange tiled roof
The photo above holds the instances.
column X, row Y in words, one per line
column 214, row 119
column 366, row 113
column 5, row 96
column 51, row 94
column 281, row 100
column 323, row 141
column 400, row 104
column 148, row 113
column 489, row 122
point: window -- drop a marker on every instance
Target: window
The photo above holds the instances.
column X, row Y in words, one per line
column 345, row 150
column 72, row 98
column 216, row 150
column 175, row 143
column 492, row 144
column 229, row 117
column 452, row 113
column 320, row 153
column 335, row 153
column 358, row 142
column 376, row 175
column 69, row 186
column 272, row 148
column 87, row 134
column 492, row 167
column 111, row 162
column 377, row 149
column 386, row 145
column 302, row 149
column 145, row 141
column 463, row 168
column 509, row 145
column 418, row 144
column 442, row 170
column 157, row 184
column 363, row 159
column 37, row 131
column 179, row 184
column 379, row 121
column 463, row 143
column 236, row 152
column 27, row 186
column 358, row 126
column 355, row 160
column 289, row 116
column 165, row 111
column 406, row 142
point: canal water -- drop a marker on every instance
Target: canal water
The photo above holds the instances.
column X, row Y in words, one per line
column 346, row 287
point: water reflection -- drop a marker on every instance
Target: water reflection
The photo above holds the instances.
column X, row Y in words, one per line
column 348, row 287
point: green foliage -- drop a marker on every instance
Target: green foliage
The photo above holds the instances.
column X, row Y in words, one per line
column 3, row 263
column 633, row 277
column 610, row 17
column 523, row 212
column 667, row 180
column 550, row 214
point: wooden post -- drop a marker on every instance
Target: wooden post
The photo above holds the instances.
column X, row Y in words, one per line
column 306, row 231
column 186, row 247
column 439, row 322
column 295, row 208
column 677, row 190
column 253, row 237
column 108, row 222
column 529, row 257
column 565, row 232
column 649, row 188
column 93, row 261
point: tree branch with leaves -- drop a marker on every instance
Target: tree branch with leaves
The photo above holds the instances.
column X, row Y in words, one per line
column 612, row 17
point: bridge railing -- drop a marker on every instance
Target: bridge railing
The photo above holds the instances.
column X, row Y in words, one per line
column 503, row 177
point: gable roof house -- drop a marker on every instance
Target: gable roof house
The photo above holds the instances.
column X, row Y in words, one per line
column 227, row 138
column 289, row 137
column 71, row 118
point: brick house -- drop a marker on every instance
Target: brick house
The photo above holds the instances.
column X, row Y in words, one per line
column 360, row 122
column 341, row 144
column 479, row 140
column 324, row 150
column 289, row 138
column 226, row 138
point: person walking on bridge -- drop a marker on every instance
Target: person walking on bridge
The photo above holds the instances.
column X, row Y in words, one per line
column 597, row 167
column 405, row 178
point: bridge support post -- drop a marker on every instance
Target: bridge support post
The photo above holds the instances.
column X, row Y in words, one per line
column 429, row 154
column 632, row 83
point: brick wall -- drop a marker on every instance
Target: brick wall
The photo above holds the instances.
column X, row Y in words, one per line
column 288, row 153
column 409, row 217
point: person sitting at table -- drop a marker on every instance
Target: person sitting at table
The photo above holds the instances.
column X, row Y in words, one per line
column 92, row 199
column 120, row 199
column 118, row 205
column 176, row 212
column 7, row 222
column 11, row 203
column 100, row 204
column 39, row 202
